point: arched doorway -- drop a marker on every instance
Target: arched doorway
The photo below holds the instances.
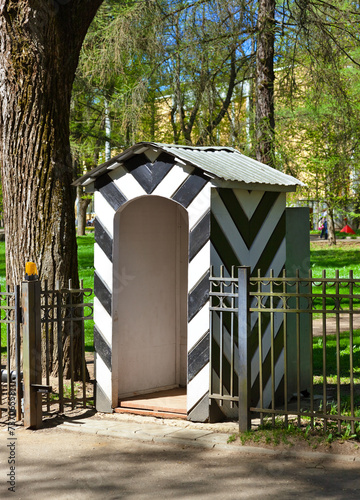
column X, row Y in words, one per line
column 150, row 265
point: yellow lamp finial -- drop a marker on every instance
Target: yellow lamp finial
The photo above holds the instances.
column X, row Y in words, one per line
column 31, row 271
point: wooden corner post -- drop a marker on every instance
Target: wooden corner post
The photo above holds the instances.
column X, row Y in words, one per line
column 244, row 331
column 32, row 351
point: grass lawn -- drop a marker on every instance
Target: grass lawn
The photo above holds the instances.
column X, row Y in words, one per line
column 331, row 368
column 342, row 257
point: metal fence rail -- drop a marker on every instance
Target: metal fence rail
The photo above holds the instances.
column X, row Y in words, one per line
column 263, row 330
column 40, row 329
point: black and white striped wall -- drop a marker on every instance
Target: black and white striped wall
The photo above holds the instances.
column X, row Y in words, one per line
column 248, row 228
column 191, row 188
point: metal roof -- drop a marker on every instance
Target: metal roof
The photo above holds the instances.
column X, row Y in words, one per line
column 221, row 162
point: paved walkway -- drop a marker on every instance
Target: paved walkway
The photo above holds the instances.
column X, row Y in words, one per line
column 142, row 429
column 183, row 433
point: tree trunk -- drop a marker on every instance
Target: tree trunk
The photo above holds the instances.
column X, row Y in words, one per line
column 81, row 215
column 40, row 45
column 265, row 121
column 331, row 227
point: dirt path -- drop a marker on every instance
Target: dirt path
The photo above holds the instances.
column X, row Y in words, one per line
column 55, row 464
column 331, row 325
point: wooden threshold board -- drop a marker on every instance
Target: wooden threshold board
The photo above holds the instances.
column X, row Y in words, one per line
column 165, row 404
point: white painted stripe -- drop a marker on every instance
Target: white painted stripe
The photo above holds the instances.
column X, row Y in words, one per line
column 199, row 266
column 103, row 266
column 228, row 226
column 103, row 321
column 104, row 212
column 103, row 376
column 226, row 342
column 279, row 372
column 127, row 183
column 249, row 201
column 198, row 387
column 198, row 326
column 172, row 181
column 199, row 206
column 267, row 229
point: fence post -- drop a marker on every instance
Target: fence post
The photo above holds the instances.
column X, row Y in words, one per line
column 244, row 330
column 32, row 353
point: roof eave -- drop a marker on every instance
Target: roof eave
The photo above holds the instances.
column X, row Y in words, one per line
column 254, row 186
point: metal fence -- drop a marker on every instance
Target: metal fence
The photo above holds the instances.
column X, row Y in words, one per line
column 64, row 312
column 43, row 332
column 286, row 347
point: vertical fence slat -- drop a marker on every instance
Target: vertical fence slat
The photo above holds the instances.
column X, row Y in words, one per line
column 298, row 347
column 17, row 350
column 60, row 346
column 311, row 353
column 47, row 348
column 324, row 350
column 284, row 306
column 338, row 371
column 261, row 382
column 72, row 381
column 351, row 346
column 243, row 334
column 221, row 332
column 211, row 302
column 8, row 341
column 232, row 339
column 82, row 333
column 272, row 346
column 1, row 394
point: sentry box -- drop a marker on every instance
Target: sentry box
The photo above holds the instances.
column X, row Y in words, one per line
column 164, row 215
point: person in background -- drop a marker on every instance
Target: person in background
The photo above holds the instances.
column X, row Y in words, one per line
column 324, row 230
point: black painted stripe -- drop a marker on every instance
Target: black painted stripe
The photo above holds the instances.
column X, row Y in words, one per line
column 222, row 246
column 102, row 348
column 226, row 372
column 149, row 175
column 272, row 247
column 237, row 213
column 188, row 191
column 102, row 293
column 103, row 239
column 261, row 212
column 199, row 236
column 110, row 192
column 198, row 296
column 198, row 357
column 248, row 229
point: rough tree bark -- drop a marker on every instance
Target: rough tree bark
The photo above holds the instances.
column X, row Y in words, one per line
column 81, row 215
column 40, row 42
column 264, row 115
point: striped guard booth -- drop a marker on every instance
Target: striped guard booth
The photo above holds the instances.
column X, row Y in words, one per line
column 234, row 208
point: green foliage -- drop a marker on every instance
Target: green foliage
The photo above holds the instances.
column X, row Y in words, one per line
column 166, row 71
column 318, row 106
